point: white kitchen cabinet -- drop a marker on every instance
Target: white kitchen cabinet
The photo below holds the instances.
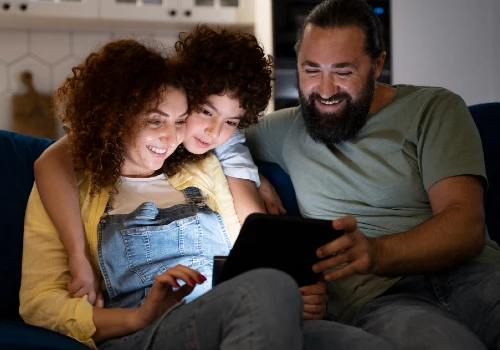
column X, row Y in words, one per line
column 180, row 11
column 88, row 9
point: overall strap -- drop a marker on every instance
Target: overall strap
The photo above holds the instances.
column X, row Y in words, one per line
column 194, row 197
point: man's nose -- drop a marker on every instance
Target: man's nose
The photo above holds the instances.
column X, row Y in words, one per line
column 327, row 86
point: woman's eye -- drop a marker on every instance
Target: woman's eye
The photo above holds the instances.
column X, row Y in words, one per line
column 154, row 122
column 181, row 122
column 206, row 112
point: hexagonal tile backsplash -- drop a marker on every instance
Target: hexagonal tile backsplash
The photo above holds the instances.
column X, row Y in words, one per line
column 49, row 55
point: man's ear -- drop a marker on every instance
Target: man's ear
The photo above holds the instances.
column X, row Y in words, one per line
column 379, row 64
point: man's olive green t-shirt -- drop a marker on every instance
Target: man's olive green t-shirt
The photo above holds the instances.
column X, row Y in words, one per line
column 381, row 176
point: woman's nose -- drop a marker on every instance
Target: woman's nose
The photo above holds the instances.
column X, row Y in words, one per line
column 170, row 137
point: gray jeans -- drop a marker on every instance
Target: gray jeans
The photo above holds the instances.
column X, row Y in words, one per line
column 456, row 309
column 261, row 309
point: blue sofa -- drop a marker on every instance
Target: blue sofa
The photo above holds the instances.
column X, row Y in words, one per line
column 18, row 153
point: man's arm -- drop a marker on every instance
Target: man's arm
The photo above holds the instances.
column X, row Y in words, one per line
column 454, row 234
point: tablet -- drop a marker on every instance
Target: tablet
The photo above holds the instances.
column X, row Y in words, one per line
column 286, row 243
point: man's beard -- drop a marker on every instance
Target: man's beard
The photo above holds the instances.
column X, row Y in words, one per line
column 337, row 127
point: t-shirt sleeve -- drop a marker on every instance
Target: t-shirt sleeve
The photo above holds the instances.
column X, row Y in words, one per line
column 236, row 159
column 448, row 140
column 266, row 140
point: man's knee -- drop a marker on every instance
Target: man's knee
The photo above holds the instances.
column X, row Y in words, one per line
column 419, row 327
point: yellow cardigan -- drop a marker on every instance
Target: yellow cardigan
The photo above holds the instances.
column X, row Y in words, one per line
column 44, row 297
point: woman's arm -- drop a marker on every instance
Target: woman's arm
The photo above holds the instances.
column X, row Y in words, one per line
column 56, row 182
column 113, row 323
column 46, row 302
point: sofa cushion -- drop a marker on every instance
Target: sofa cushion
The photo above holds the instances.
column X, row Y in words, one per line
column 16, row 335
column 19, row 152
column 487, row 118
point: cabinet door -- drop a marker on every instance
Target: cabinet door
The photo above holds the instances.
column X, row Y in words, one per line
column 210, row 11
column 139, row 10
column 56, row 8
column 7, row 8
column 180, row 11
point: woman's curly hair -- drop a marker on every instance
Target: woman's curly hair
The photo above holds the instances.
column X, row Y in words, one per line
column 218, row 60
column 103, row 100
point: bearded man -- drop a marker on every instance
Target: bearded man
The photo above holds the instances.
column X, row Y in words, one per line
column 400, row 168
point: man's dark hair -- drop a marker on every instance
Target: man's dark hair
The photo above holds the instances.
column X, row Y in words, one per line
column 345, row 13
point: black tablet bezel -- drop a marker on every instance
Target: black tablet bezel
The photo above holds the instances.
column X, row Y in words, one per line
column 285, row 243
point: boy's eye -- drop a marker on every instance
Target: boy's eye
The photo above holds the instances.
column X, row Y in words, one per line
column 230, row 123
column 204, row 111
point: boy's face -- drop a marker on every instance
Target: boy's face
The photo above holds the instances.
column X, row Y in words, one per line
column 212, row 123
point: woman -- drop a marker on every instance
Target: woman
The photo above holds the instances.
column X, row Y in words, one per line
column 136, row 120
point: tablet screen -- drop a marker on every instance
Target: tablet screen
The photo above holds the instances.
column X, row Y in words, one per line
column 285, row 243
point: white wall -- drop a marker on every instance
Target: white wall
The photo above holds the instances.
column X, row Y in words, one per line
column 449, row 43
column 495, row 57
column 50, row 55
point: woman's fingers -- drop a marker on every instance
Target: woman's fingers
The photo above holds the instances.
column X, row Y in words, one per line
column 179, row 272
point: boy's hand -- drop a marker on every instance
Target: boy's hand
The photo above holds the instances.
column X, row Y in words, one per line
column 315, row 299
column 83, row 280
column 270, row 198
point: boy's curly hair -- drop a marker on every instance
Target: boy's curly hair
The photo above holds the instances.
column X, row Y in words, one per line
column 102, row 101
column 218, row 60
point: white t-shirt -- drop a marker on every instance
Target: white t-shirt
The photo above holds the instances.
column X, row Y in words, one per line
column 133, row 191
column 236, row 160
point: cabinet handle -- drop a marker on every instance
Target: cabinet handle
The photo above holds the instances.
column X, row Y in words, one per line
column 172, row 13
column 187, row 13
column 6, row 6
column 23, row 6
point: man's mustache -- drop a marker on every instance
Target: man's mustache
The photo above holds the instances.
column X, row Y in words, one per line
column 338, row 96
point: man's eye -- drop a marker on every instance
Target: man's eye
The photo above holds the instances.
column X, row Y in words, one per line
column 310, row 71
column 181, row 122
column 344, row 74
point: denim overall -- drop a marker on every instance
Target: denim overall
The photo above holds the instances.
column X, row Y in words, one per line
column 134, row 248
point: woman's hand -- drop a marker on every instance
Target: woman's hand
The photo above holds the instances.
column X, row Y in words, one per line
column 163, row 296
